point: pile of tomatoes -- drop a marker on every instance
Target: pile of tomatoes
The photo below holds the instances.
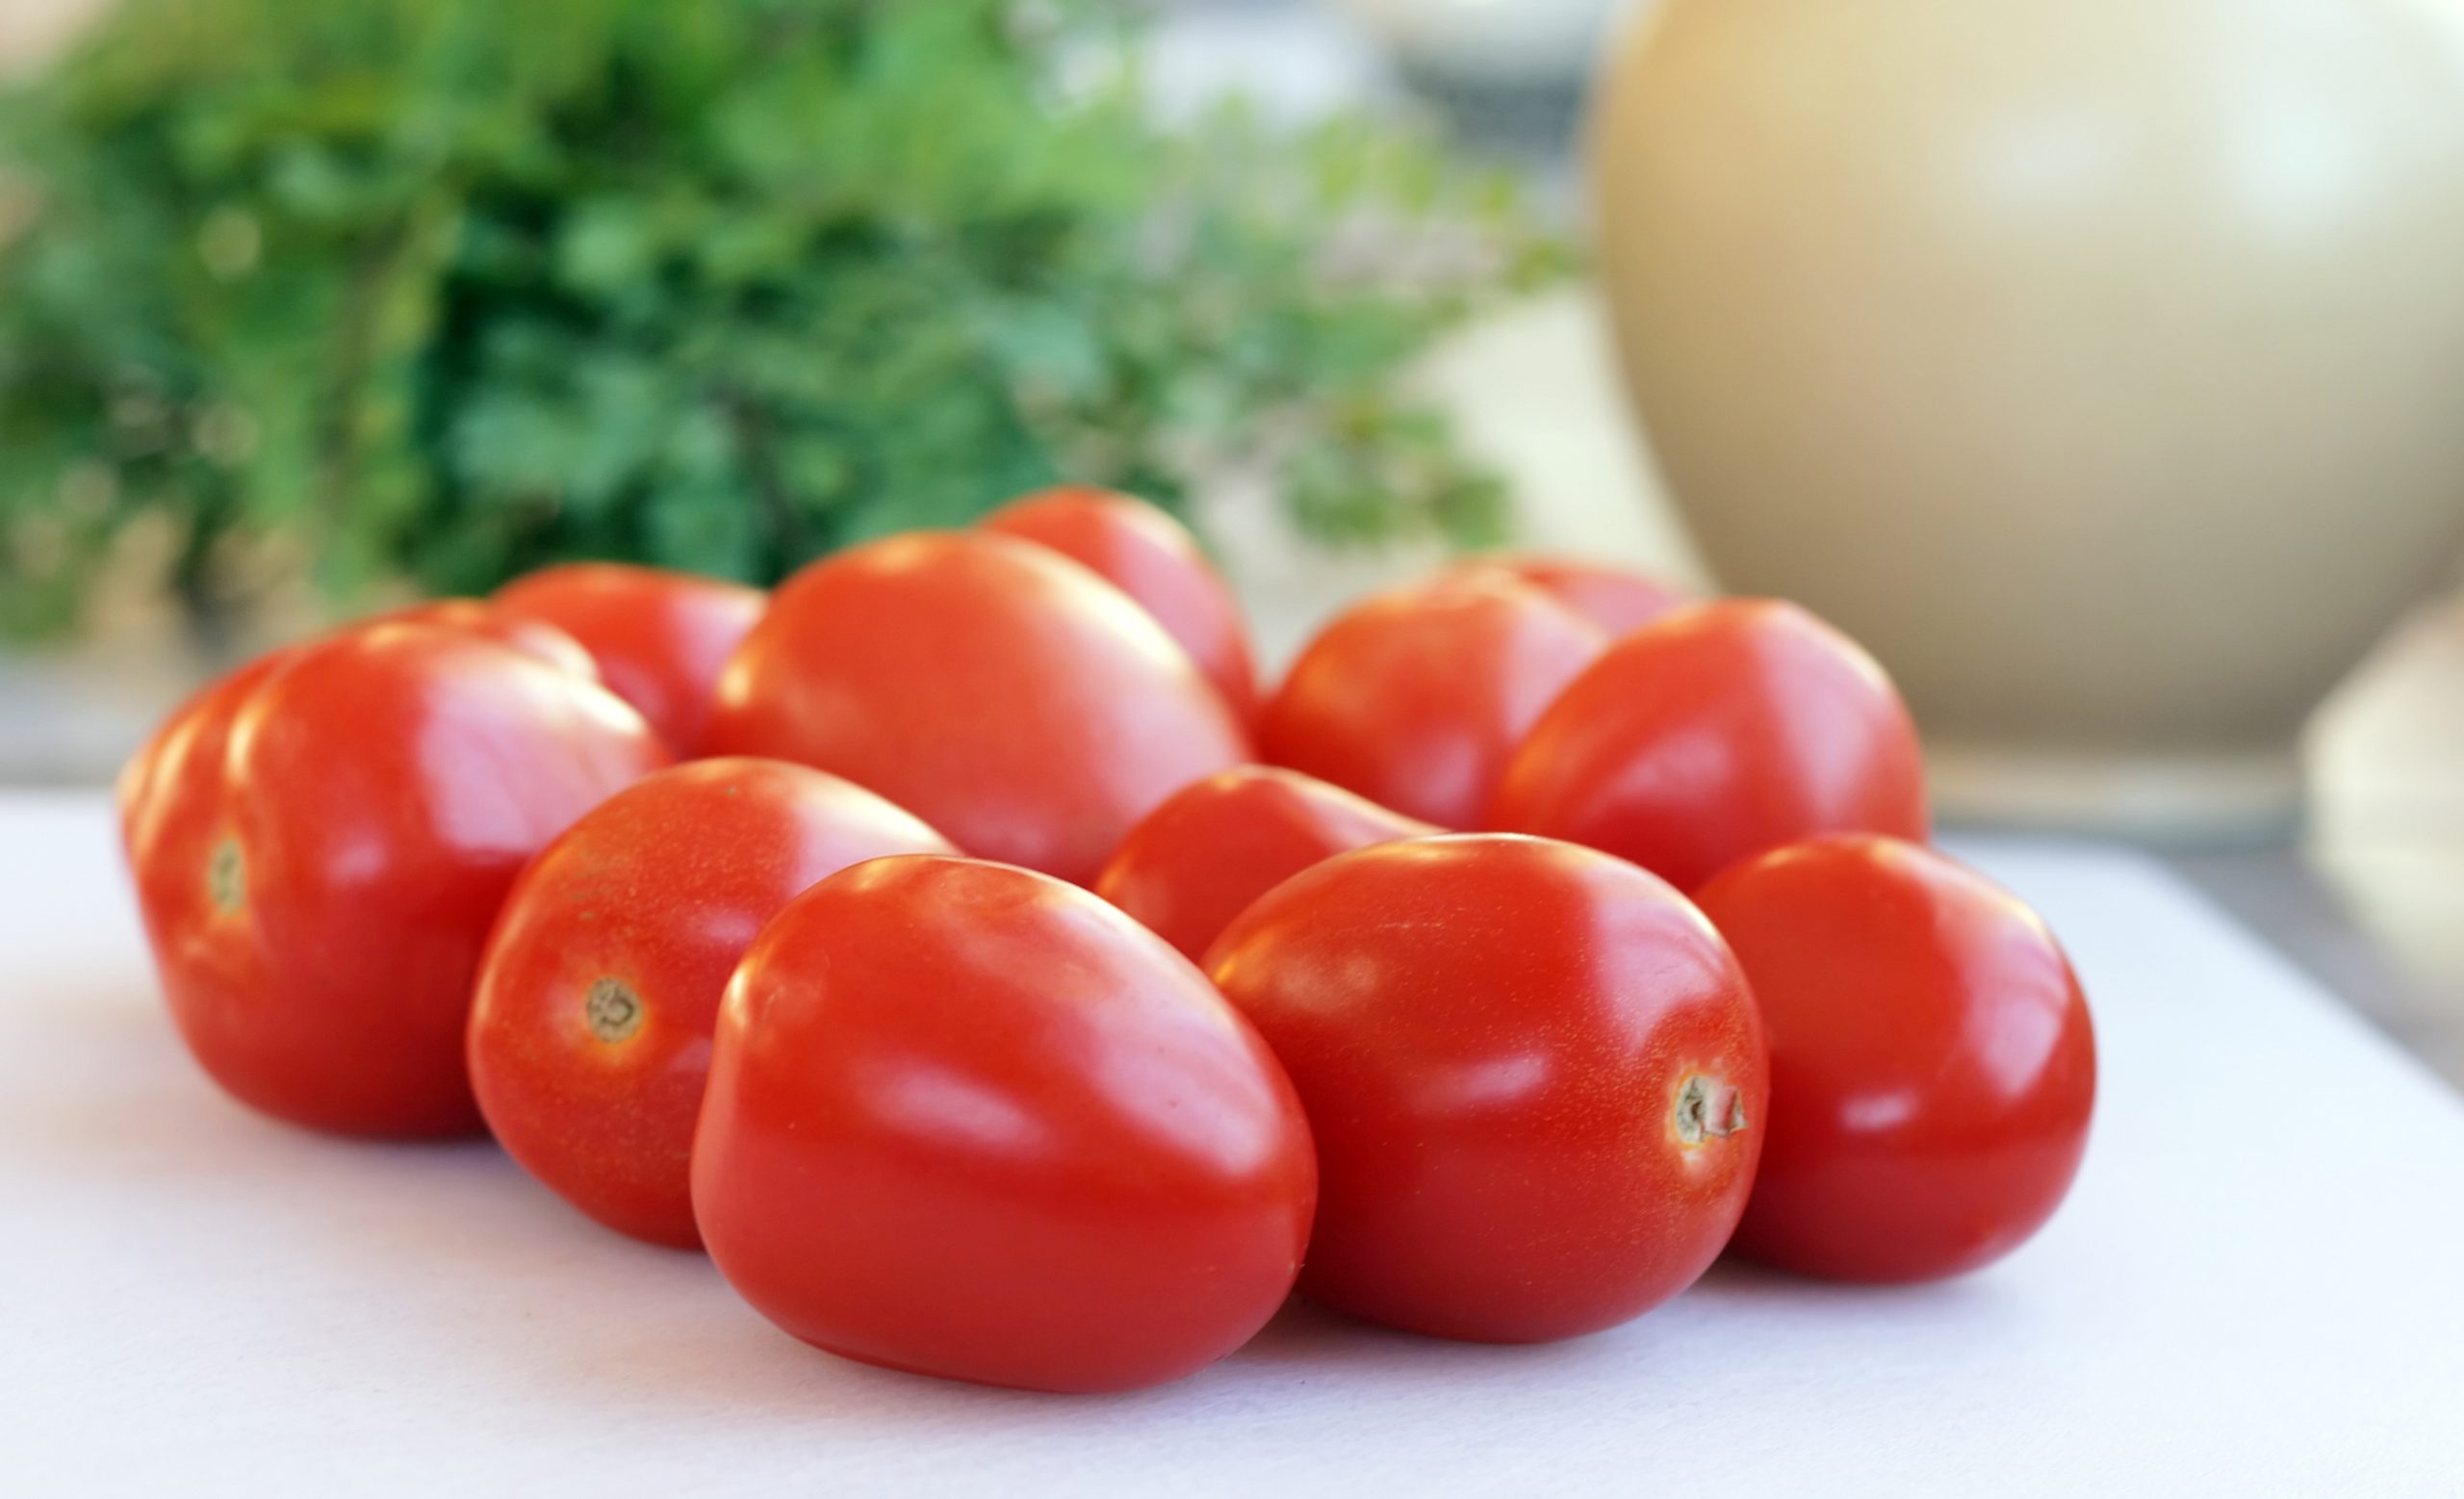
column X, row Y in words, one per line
column 960, row 947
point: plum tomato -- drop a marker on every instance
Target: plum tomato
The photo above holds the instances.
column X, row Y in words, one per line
column 1415, row 697
column 321, row 840
column 1932, row 1068
column 1218, row 844
column 1614, row 598
column 532, row 636
column 660, row 637
column 1004, row 694
column 969, row 1121
column 1153, row 559
column 1534, row 1073
column 1714, row 734
column 590, row 1034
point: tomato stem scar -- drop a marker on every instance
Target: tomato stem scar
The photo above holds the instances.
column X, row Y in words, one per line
column 613, row 1011
column 226, row 875
column 1708, row 1108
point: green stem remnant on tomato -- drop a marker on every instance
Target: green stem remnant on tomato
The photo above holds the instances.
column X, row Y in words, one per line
column 613, row 1010
column 226, row 875
column 1708, row 1108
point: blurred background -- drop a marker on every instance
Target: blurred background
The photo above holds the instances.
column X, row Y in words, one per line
column 2094, row 362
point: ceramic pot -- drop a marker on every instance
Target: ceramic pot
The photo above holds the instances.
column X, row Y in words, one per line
column 2098, row 363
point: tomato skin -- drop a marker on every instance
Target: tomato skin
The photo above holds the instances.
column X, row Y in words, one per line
column 1415, row 697
column 1007, row 696
column 660, row 637
column 1152, row 557
column 1933, row 1064
column 321, row 840
column 1614, row 598
column 590, row 1033
column 530, row 636
column 1502, row 1044
column 969, row 1121
column 1715, row 734
column 1216, row 846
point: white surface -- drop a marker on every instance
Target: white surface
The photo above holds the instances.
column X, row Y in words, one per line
column 2258, row 1287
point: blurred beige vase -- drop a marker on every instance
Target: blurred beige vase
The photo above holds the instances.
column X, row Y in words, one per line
column 2098, row 363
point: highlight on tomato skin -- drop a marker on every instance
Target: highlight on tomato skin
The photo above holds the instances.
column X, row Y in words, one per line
column 1218, row 843
column 321, row 842
column 1147, row 554
column 658, row 637
column 1614, row 598
column 1416, row 697
column 970, row 1121
column 1933, row 1060
column 1716, row 733
column 589, row 1035
column 1533, row 1071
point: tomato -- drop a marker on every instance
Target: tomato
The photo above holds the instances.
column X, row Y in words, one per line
column 1534, row 1073
column 321, row 840
column 1218, row 844
column 1153, row 559
column 1613, row 598
column 660, row 637
column 590, row 1035
column 1007, row 696
column 1415, row 697
column 967, row 1120
column 532, row 636
column 1714, row 734
column 1932, row 1068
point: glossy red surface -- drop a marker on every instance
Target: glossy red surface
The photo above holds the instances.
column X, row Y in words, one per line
column 1534, row 1073
column 1616, row 599
column 1415, row 697
column 321, row 842
column 660, row 637
column 1714, row 734
column 1933, row 1067
column 1005, row 695
column 590, row 1035
column 970, row 1121
column 1216, row 846
column 1153, row 559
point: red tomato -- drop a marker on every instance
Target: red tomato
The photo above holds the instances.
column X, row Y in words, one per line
column 1932, row 1064
column 1416, row 697
column 660, row 637
column 1534, row 1073
column 1007, row 696
column 322, row 839
column 1613, row 598
column 1218, row 844
column 1154, row 559
column 1721, row 730
column 530, row 636
column 590, row 1035
column 969, row 1121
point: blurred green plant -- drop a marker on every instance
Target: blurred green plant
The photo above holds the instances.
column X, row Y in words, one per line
column 447, row 289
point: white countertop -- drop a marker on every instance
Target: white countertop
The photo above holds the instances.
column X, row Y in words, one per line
column 2254, row 1289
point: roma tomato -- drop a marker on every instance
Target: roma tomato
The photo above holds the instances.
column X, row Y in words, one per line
column 660, row 637
column 590, row 1035
column 1007, row 696
column 1613, row 598
column 321, row 840
column 1717, row 733
column 1534, row 1073
column 969, row 1121
column 530, row 636
column 1932, row 1068
column 1154, row 559
column 1415, row 697
column 1218, row 844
